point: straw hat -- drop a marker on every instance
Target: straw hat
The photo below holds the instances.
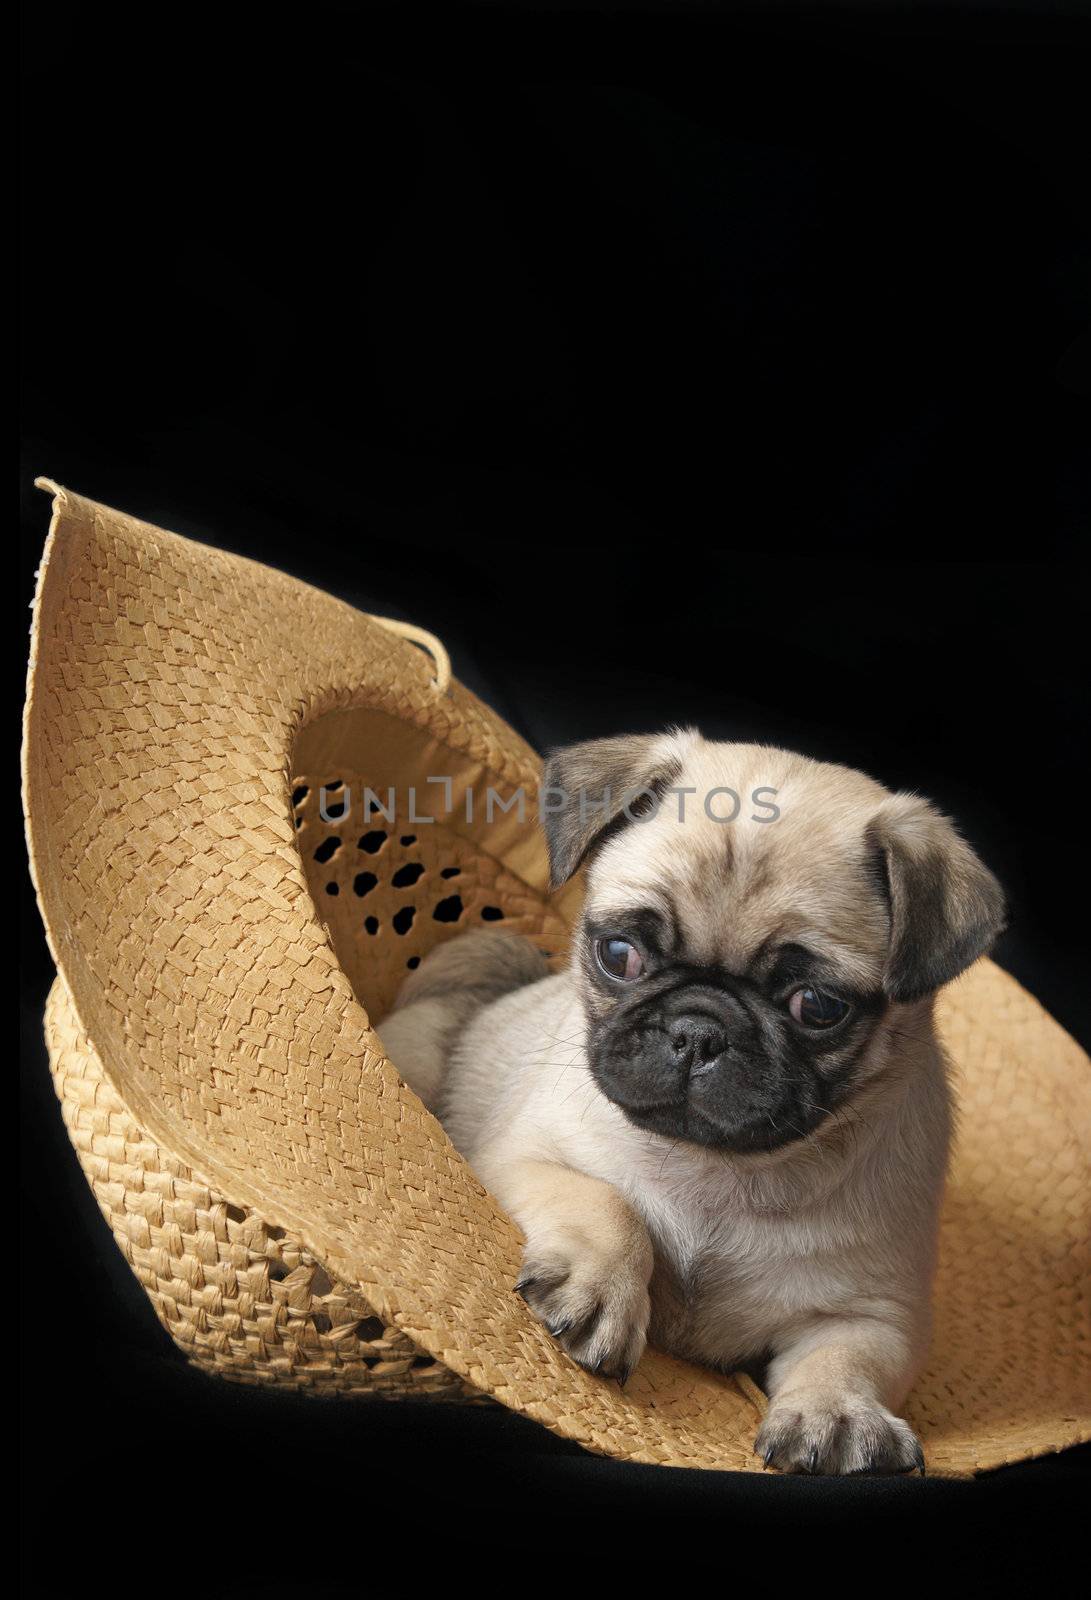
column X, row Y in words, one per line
column 227, row 938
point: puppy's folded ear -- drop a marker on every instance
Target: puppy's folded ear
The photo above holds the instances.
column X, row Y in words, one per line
column 946, row 908
column 590, row 790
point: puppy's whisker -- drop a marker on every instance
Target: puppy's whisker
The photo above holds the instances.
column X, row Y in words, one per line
column 587, row 1106
column 847, row 1123
column 592, row 1086
column 551, row 1043
column 567, row 1066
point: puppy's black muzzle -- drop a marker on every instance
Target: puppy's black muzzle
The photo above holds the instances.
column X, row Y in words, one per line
column 692, row 1064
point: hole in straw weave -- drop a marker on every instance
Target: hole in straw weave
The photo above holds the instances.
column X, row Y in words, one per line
column 449, row 910
column 408, row 838
column 413, row 963
column 403, row 919
column 332, row 888
column 363, row 883
column 451, row 872
column 492, row 914
column 236, row 1213
column 372, row 925
column 320, row 1282
column 372, row 842
column 300, row 794
column 370, row 1328
column 327, row 848
column 406, row 876
column 320, row 1322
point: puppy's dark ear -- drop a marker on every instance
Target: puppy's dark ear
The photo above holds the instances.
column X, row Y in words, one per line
column 946, row 908
column 589, row 790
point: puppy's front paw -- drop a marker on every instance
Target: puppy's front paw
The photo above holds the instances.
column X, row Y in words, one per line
column 836, row 1433
column 597, row 1308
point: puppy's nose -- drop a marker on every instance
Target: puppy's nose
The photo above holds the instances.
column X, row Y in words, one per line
column 696, row 1041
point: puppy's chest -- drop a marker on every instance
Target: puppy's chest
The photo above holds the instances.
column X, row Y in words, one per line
column 725, row 1281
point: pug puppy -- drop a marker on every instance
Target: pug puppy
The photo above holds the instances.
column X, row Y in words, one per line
column 725, row 1127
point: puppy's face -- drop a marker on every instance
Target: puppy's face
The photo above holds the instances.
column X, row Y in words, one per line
column 744, row 979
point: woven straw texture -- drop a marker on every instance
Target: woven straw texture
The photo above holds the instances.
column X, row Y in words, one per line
column 294, row 1213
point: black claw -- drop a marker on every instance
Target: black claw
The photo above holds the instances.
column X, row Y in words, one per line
column 523, row 1285
column 918, row 1461
column 557, row 1328
column 625, row 1374
column 812, row 1460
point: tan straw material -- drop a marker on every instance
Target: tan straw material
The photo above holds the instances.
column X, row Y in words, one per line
column 294, row 1213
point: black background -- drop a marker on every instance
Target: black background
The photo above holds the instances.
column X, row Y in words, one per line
column 709, row 363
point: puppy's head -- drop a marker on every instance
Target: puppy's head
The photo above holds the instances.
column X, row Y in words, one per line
column 755, row 925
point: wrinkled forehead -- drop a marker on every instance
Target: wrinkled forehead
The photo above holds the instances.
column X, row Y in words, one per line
column 767, row 849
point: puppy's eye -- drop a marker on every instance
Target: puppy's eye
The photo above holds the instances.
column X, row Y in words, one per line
column 816, row 1009
column 619, row 959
